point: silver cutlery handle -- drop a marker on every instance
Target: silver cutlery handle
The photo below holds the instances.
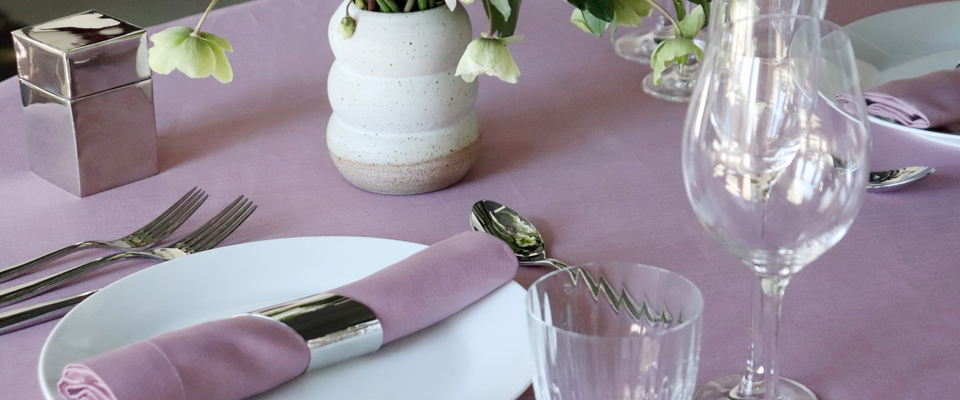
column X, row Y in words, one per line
column 14, row 271
column 28, row 316
column 35, row 287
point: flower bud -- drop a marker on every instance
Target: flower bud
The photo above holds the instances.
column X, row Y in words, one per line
column 347, row 26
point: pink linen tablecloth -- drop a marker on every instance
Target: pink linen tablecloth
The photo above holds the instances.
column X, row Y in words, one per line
column 575, row 145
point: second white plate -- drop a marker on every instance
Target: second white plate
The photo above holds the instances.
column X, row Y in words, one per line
column 907, row 43
column 480, row 353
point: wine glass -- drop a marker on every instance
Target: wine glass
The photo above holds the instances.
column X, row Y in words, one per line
column 724, row 11
column 775, row 166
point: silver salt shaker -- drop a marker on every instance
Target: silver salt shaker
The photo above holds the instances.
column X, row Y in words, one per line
column 88, row 102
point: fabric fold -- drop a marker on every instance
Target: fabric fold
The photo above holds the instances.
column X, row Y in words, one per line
column 930, row 101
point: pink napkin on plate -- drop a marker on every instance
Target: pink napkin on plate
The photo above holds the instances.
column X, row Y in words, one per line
column 931, row 101
column 246, row 355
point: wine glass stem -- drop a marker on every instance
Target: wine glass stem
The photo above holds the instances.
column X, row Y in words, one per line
column 760, row 381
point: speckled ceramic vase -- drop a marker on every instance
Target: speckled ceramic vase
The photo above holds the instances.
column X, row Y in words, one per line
column 402, row 122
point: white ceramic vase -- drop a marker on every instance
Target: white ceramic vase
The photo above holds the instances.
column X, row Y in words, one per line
column 402, row 122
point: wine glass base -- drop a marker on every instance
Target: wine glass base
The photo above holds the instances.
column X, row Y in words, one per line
column 672, row 87
column 720, row 388
column 636, row 46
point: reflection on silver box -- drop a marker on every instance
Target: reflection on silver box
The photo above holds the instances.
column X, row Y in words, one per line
column 88, row 102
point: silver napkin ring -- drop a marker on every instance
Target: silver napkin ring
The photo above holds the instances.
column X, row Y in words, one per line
column 336, row 328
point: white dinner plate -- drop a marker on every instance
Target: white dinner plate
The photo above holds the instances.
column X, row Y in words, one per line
column 479, row 353
column 906, row 43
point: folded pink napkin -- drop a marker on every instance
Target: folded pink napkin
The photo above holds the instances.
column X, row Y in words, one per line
column 931, row 101
column 246, row 355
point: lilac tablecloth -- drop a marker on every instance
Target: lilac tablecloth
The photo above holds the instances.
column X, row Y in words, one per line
column 575, row 145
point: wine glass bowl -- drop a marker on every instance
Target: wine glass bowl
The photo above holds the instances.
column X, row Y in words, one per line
column 775, row 165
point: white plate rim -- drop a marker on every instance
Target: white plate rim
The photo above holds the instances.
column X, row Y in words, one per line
column 509, row 388
column 899, row 17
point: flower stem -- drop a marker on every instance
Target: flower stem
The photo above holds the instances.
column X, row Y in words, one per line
column 664, row 12
column 486, row 8
column 196, row 31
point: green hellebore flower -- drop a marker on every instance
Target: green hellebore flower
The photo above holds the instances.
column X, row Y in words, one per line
column 671, row 51
column 347, row 26
column 197, row 56
column 676, row 50
column 489, row 55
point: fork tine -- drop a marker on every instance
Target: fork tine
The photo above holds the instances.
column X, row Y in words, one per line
column 207, row 226
column 174, row 216
column 173, row 221
column 226, row 228
column 172, row 210
column 198, row 242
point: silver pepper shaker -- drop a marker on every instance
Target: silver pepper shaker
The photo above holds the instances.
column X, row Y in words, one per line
column 88, row 102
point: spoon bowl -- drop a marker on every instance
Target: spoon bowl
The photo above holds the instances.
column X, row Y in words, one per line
column 511, row 227
column 895, row 179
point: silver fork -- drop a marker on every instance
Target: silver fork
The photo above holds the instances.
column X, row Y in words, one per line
column 205, row 237
column 148, row 235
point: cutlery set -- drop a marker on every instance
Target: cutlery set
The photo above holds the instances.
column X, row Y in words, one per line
column 140, row 244
column 486, row 216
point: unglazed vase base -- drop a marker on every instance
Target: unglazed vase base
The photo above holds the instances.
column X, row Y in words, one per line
column 413, row 178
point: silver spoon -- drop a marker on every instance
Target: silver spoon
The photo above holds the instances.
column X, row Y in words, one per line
column 519, row 233
column 527, row 243
column 895, row 179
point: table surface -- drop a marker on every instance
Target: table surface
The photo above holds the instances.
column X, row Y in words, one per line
column 871, row 319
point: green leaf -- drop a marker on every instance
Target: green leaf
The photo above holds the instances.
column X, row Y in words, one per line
column 601, row 9
column 706, row 10
column 578, row 19
column 681, row 9
column 505, row 26
column 690, row 26
column 579, row 4
column 631, row 12
column 596, row 25
column 503, row 6
column 672, row 51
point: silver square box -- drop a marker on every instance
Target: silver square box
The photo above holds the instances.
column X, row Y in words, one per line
column 88, row 102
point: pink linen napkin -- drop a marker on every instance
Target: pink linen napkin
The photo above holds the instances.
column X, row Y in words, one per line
column 246, row 355
column 931, row 101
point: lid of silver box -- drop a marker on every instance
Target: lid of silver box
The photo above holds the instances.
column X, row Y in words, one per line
column 81, row 54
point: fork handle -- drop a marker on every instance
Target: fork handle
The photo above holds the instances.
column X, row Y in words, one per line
column 35, row 287
column 15, row 320
column 14, row 271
